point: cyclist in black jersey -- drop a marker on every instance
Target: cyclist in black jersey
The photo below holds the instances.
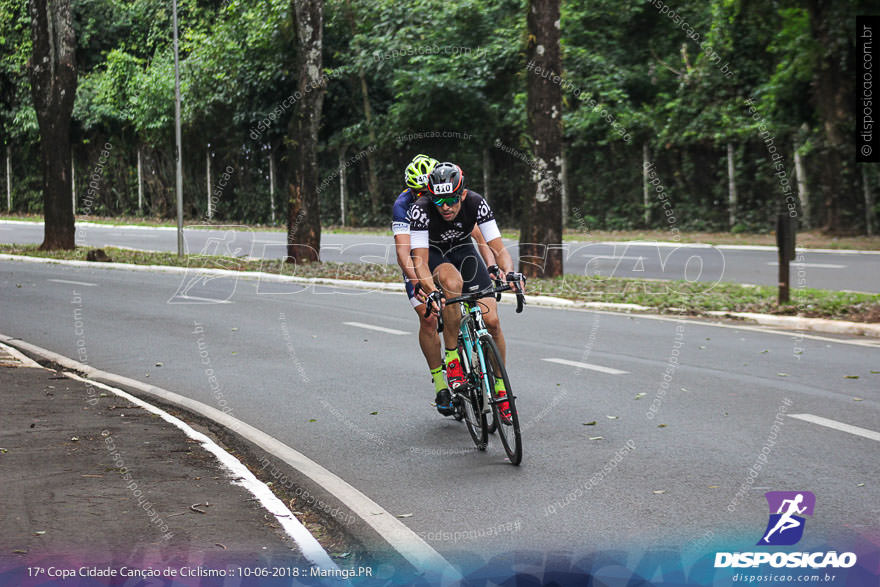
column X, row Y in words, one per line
column 440, row 226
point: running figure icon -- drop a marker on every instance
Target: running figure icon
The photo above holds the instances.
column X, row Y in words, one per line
column 786, row 524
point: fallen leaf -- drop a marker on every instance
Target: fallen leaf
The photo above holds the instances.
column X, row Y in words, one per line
column 702, row 347
column 593, row 423
column 783, row 374
column 850, row 376
column 234, row 329
column 860, row 484
column 220, row 545
column 3, row 451
column 875, row 372
column 858, row 399
column 765, row 351
column 405, row 516
column 39, row 532
column 612, row 417
column 74, row 438
column 159, row 364
column 597, row 438
column 661, row 425
column 713, row 487
column 373, row 413
column 659, row 491
column 312, row 420
column 640, row 395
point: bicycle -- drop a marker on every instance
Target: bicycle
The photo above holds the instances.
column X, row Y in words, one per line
column 481, row 362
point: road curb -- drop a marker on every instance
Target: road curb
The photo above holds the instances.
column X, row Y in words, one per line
column 308, row 545
column 406, row 542
column 786, row 322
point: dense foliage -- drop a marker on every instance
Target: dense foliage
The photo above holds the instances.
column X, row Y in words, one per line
column 641, row 77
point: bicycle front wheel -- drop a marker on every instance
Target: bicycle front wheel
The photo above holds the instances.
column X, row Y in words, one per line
column 507, row 424
column 474, row 418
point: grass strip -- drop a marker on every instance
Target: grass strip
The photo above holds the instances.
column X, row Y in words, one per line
column 694, row 298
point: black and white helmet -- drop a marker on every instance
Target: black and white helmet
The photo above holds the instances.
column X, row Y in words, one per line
column 446, row 180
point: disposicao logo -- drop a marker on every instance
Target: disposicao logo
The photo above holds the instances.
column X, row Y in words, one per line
column 785, row 528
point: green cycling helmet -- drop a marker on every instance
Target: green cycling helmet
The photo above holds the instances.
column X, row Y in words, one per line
column 417, row 172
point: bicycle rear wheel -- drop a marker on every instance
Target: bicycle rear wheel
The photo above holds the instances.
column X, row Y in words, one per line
column 508, row 428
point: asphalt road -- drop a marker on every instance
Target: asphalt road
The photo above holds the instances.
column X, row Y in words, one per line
column 697, row 402
column 855, row 271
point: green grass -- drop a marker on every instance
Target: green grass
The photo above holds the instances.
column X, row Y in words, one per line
column 694, row 298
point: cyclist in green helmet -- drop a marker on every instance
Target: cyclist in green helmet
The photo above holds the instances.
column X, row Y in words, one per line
column 416, row 178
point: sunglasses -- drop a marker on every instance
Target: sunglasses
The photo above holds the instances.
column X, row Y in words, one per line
column 450, row 201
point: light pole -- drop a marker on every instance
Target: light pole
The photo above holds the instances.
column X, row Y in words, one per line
column 179, row 174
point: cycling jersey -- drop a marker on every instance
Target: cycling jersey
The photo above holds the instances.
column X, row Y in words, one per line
column 400, row 225
column 427, row 226
column 399, row 217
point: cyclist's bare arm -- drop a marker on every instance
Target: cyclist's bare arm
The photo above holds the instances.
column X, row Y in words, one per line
column 402, row 247
column 502, row 257
column 422, row 269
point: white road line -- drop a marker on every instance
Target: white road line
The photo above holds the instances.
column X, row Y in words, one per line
column 838, row 425
column 242, row 476
column 198, row 299
column 74, row 282
column 409, row 544
column 379, row 328
column 590, row 366
column 811, row 265
column 612, row 257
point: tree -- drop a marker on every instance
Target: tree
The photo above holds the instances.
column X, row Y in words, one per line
column 541, row 234
column 304, row 221
column 53, row 87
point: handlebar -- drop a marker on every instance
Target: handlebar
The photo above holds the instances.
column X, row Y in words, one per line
column 473, row 297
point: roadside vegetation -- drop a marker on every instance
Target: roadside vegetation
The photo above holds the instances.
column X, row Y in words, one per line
column 672, row 297
column 814, row 239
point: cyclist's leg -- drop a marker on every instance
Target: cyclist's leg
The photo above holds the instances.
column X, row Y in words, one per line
column 475, row 277
column 450, row 280
column 429, row 341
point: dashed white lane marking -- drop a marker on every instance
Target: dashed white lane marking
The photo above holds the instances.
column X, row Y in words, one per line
column 811, row 265
column 198, row 299
column 378, row 328
column 858, row 431
column 74, row 282
column 590, row 366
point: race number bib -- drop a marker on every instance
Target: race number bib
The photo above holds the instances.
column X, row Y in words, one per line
column 443, row 188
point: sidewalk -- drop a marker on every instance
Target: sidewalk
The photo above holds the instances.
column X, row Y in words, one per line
column 87, row 478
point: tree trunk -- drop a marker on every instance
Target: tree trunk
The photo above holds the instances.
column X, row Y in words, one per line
column 73, row 183
column 731, row 186
column 869, row 201
column 272, row 183
column 208, row 181
column 140, row 181
column 342, row 184
column 304, row 221
column 540, row 247
column 53, row 87
column 646, row 190
column 372, row 179
column 8, row 178
column 833, row 95
column 803, row 188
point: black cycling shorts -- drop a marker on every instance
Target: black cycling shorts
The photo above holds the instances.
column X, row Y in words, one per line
column 465, row 258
